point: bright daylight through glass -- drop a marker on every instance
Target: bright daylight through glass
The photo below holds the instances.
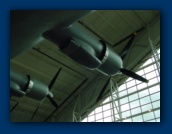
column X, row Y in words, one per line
column 136, row 102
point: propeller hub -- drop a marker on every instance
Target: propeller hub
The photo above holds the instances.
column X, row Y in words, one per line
column 50, row 94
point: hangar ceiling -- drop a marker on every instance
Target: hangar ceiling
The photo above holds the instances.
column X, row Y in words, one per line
column 45, row 59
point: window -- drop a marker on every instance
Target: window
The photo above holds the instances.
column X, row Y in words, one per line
column 107, row 113
column 156, row 104
column 125, row 107
column 98, row 110
column 124, row 100
column 123, row 93
column 137, row 102
column 108, row 119
column 91, row 118
column 143, row 93
column 146, row 108
column 145, row 100
column 154, row 89
column 133, row 97
column 134, row 104
column 148, row 116
column 106, row 107
column 137, row 118
column 157, row 113
column 132, row 89
column 99, row 116
column 155, row 96
column 136, row 111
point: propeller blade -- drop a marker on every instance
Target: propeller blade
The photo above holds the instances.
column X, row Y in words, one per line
column 54, row 79
column 51, row 99
column 127, row 37
column 127, row 47
column 53, row 102
column 133, row 75
column 36, row 109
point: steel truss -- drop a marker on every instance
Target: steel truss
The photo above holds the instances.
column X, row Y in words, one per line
column 115, row 105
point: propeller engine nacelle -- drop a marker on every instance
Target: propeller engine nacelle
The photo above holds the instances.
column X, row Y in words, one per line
column 24, row 85
column 85, row 48
column 89, row 51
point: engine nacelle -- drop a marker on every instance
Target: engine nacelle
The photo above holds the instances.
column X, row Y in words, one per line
column 85, row 48
column 23, row 85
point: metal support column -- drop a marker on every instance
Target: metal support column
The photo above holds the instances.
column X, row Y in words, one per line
column 115, row 107
column 76, row 116
column 112, row 98
column 119, row 104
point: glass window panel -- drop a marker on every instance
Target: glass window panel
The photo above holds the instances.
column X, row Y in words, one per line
column 147, row 62
column 100, row 120
column 126, row 114
column 145, row 100
column 157, row 72
column 108, row 119
column 156, row 104
column 151, row 121
column 107, row 100
column 136, row 111
column 155, row 67
column 158, row 50
column 117, row 116
column 153, row 60
column 115, row 110
column 124, row 100
column 154, row 89
column 151, row 75
column 84, row 120
column 151, row 72
column 158, row 120
column 132, row 89
column 127, row 120
column 143, row 93
column 99, row 116
column 133, row 97
column 107, row 113
column 148, row 116
column 158, row 79
column 138, row 82
column 157, row 113
column 91, row 113
column 122, row 87
column 134, row 104
column 138, row 119
column 106, row 107
column 91, row 118
column 146, row 107
column 123, row 93
column 141, row 72
column 152, row 81
column 98, row 110
column 141, row 86
column 117, row 120
column 125, row 107
column 149, row 69
column 131, row 83
column 155, row 96
column 129, row 79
